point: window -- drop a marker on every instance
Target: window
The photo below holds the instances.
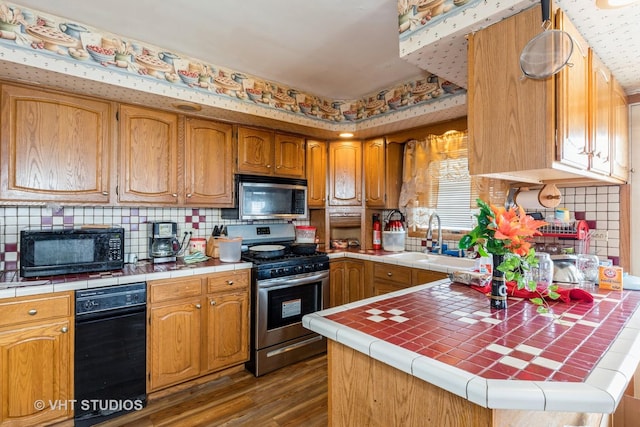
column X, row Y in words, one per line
column 436, row 179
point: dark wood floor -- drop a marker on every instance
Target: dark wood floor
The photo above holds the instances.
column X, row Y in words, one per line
column 292, row 396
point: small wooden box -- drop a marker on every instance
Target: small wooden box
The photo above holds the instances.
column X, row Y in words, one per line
column 610, row 278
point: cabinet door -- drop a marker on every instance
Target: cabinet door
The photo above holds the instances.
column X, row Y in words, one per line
column 600, row 116
column 374, row 173
column 227, row 330
column 174, row 343
column 354, row 277
column 36, row 366
column 337, row 291
column 345, row 173
column 420, row 276
column 208, row 163
column 316, row 174
column 255, row 151
column 289, row 156
column 54, row 147
column 572, row 104
column 619, row 133
column 148, row 156
column 511, row 120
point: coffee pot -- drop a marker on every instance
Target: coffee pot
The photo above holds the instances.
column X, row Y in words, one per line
column 163, row 241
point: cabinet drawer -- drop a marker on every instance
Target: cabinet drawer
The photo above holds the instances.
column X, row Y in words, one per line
column 172, row 289
column 420, row 277
column 27, row 309
column 392, row 273
column 226, row 281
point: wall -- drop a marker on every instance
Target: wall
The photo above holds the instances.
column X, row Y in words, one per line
column 133, row 220
column 599, row 206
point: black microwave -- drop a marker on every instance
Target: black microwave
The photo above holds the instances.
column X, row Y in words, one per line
column 67, row 251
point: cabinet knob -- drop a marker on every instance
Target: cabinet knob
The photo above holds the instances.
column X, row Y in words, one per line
column 32, row 312
column 269, row 166
column 198, row 306
column 278, row 167
column 64, row 330
column 174, row 195
column 213, row 302
column 105, row 193
column 229, row 282
column 389, row 274
column 188, row 195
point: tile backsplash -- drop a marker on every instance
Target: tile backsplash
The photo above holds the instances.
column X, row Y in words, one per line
column 134, row 221
column 598, row 206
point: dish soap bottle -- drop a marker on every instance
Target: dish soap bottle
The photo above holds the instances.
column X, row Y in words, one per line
column 377, row 232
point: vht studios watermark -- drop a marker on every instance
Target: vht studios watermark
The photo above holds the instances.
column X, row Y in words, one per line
column 111, row 405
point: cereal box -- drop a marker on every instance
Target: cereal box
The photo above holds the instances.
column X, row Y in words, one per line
column 610, row 277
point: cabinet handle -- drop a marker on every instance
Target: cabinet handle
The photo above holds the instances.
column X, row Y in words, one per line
column 269, row 166
column 213, row 302
column 174, row 194
column 64, row 330
column 278, row 167
column 105, row 193
column 389, row 274
column 198, row 306
column 32, row 312
column 188, row 195
column 229, row 282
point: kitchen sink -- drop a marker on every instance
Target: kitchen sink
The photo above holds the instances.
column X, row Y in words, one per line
column 420, row 258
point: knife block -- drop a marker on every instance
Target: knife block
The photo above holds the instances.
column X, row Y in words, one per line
column 212, row 249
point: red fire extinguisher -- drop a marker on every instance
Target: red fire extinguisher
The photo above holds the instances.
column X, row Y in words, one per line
column 377, row 232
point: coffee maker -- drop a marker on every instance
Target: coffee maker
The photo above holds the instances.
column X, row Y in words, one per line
column 163, row 241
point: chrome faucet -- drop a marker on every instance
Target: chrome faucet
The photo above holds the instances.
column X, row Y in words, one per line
column 430, row 234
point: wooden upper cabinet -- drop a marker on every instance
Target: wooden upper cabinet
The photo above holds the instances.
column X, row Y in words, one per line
column 374, row 173
column 620, row 133
column 208, row 173
column 255, row 151
column 264, row 152
column 289, row 156
column 511, row 120
column 316, row 174
column 345, row 173
column 382, row 173
column 572, row 100
column 600, row 117
column 54, row 147
column 148, row 156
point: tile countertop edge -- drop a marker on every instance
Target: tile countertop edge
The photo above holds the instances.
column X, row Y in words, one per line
column 50, row 286
column 601, row 392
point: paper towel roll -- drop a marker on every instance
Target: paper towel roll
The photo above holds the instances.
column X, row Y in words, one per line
column 528, row 200
column 547, row 197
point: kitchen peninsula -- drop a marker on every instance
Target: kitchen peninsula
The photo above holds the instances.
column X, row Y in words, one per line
column 436, row 354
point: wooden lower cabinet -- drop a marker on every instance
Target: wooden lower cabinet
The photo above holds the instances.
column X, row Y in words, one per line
column 227, row 321
column 197, row 325
column 347, row 283
column 388, row 278
column 174, row 336
column 36, row 359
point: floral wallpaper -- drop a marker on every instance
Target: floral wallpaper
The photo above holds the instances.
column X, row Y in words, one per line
column 46, row 35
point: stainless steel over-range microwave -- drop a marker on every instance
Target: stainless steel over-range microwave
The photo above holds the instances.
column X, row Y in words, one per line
column 265, row 197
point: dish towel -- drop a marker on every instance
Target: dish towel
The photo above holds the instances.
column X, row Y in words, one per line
column 566, row 295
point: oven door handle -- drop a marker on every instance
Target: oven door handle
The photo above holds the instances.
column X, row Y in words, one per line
column 289, row 281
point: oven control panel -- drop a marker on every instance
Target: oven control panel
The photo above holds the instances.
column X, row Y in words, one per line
column 287, row 268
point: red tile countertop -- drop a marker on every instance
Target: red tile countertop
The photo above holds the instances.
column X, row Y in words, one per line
column 452, row 324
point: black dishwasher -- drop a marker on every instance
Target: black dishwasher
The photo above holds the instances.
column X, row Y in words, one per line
column 110, row 352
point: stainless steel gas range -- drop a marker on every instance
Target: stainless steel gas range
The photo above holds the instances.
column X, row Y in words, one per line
column 285, row 287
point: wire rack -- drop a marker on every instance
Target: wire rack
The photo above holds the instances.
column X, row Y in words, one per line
column 578, row 230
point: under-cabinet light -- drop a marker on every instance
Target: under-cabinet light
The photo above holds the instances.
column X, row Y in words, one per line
column 346, row 135
column 613, row 4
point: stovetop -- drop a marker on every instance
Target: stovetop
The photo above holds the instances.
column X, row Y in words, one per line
column 287, row 265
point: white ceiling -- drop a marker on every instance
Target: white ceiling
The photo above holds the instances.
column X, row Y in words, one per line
column 332, row 48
